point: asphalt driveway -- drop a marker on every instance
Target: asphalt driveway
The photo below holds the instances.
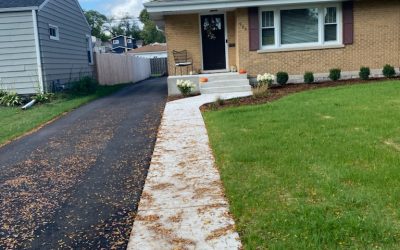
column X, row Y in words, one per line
column 76, row 183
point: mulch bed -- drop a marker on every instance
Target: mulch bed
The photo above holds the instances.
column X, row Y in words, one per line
column 178, row 97
column 277, row 92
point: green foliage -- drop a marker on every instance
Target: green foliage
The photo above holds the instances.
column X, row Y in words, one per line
column 282, row 78
column 309, row 77
column 44, row 97
column 365, row 72
column 86, row 85
column 10, row 99
column 126, row 26
column 335, row 74
column 97, row 22
column 144, row 16
column 388, row 71
column 150, row 33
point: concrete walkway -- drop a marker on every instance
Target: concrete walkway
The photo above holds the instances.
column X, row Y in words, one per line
column 183, row 204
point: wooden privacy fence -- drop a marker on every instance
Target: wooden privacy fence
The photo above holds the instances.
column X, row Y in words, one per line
column 159, row 66
column 120, row 68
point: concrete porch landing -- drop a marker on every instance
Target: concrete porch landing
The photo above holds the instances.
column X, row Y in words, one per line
column 217, row 83
column 183, row 204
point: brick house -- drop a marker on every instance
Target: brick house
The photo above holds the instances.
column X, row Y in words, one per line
column 282, row 35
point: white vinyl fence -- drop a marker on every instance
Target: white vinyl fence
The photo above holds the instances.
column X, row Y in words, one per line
column 120, row 68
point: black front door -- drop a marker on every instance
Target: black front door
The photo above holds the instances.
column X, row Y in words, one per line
column 213, row 41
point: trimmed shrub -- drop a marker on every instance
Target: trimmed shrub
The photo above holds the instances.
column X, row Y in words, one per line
column 335, row 74
column 10, row 99
column 365, row 72
column 282, row 78
column 388, row 71
column 86, row 85
column 309, row 77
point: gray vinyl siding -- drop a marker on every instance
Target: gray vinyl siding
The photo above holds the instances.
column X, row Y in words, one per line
column 63, row 60
column 18, row 62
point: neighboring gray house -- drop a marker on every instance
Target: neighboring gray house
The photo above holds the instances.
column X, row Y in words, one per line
column 43, row 44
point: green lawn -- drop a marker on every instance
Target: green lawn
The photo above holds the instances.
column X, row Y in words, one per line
column 15, row 122
column 314, row 170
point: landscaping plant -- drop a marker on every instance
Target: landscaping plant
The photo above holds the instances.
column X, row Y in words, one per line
column 309, row 77
column 365, row 72
column 388, row 71
column 2, row 93
column 43, row 97
column 260, row 91
column 185, row 87
column 10, row 99
column 282, row 78
column 266, row 79
column 220, row 101
column 335, row 74
column 86, row 85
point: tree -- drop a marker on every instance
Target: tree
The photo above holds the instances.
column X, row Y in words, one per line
column 144, row 16
column 150, row 32
column 125, row 26
column 97, row 21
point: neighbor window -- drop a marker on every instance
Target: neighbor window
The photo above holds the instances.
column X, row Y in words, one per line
column 300, row 26
column 115, row 41
column 129, row 41
column 54, row 32
column 89, row 49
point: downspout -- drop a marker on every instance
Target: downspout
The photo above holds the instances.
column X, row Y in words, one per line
column 38, row 54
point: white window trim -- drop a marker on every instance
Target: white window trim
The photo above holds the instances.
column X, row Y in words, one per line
column 89, row 37
column 306, row 46
column 57, row 37
column 115, row 42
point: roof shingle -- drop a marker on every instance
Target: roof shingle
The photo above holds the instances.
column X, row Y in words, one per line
column 156, row 47
column 19, row 3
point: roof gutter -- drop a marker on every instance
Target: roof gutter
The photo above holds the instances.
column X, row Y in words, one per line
column 18, row 9
column 182, row 6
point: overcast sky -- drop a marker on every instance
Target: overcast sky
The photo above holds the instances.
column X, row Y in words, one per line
column 116, row 8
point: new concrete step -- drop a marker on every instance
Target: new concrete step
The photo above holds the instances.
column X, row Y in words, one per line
column 227, row 89
column 225, row 83
column 224, row 76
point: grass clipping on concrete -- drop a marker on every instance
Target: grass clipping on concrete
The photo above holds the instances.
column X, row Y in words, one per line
column 314, row 170
column 15, row 122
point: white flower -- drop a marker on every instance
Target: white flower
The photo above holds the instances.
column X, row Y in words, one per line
column 265, row 78
column 185, row 86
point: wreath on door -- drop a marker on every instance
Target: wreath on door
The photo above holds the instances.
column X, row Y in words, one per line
column 211, row 25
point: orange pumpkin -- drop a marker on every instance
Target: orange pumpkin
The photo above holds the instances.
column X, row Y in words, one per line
column 203, row 79
column 242, row 71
